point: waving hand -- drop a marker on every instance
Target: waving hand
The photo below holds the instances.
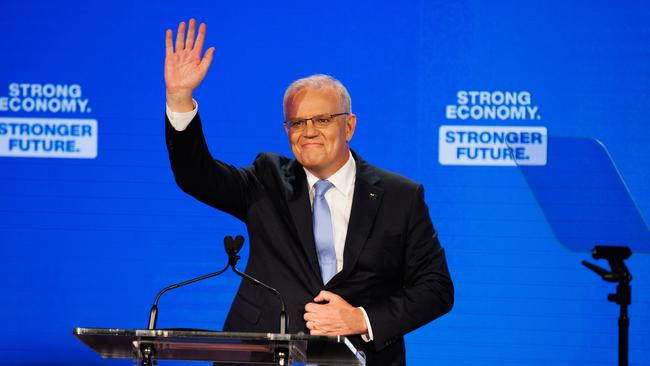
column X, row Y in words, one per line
column 184, row 67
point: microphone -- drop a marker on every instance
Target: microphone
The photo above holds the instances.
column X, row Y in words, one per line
column 232, row 247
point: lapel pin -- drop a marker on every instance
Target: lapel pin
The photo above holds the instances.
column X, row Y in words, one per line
column 373, row 196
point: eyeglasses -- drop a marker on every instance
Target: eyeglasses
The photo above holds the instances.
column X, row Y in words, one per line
column 321, row 121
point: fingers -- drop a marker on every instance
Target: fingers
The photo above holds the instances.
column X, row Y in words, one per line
column 184, row 41
column 316, row 319
column 317, row 332
column 325, row 327
column 310, row 321
column 309, row 317
column 198, row 46
column 317, row 327
column 189, row 40
column 169, row 49
column 335, row 317
column 180, row 36
column 313, row 308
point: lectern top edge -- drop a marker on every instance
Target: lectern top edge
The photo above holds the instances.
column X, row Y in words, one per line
column 146, row 346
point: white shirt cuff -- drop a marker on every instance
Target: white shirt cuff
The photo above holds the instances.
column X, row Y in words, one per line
column 367, row 337
column 180, row 120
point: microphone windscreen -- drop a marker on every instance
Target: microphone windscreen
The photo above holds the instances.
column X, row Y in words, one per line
column 228, row 244
column 239, row 242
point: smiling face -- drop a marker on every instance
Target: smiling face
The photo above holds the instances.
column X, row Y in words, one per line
column 322, row 151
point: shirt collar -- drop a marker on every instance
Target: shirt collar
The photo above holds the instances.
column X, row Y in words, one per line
column 343, row 179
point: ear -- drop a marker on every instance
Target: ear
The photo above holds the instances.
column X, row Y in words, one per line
column 350, row 125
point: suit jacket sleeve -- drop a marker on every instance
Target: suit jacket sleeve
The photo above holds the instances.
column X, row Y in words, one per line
column 197, row 173
column 427, row 292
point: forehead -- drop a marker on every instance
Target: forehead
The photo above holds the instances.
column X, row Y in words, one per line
column 310, row 102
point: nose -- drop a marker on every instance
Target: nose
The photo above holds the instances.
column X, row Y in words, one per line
column 310, row 130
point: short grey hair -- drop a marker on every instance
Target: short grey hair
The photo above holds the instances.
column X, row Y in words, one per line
column 318, row 81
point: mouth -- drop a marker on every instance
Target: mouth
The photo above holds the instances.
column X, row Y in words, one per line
column 310, row 145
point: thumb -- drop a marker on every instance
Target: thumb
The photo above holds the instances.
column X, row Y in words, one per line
column 207, row 60
column 324, row 296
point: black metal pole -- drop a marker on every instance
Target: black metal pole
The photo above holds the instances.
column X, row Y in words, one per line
column 623, row 328
column 623, row 292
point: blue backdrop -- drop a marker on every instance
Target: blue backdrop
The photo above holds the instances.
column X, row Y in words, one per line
column 91, row 232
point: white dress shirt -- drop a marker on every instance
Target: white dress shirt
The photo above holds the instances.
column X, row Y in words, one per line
column 339, row 200
column 339, row 197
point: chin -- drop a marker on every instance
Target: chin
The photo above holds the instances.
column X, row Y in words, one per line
column 311, row 158
column 310, row 163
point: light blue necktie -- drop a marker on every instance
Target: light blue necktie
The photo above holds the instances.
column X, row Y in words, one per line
column 323, row 233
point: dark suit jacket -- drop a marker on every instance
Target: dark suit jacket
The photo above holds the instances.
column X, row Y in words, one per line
column 393, row 264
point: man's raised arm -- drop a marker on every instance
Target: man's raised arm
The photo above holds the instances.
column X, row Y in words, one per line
column 215, row 183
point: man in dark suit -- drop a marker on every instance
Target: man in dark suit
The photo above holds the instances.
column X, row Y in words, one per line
column 350, row 246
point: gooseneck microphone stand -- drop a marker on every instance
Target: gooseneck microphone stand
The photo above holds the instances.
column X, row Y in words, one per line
column 232, row 247
column 619, row 273
column 153, row 314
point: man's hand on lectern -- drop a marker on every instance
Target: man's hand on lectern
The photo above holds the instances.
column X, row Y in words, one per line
column 184, row 67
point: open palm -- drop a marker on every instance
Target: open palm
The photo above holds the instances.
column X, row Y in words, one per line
column 184, row 67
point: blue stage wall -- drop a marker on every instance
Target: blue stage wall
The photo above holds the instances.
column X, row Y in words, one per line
column 91, row 231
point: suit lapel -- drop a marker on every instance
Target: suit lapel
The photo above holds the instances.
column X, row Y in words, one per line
column 365, row 204
column 300, row 209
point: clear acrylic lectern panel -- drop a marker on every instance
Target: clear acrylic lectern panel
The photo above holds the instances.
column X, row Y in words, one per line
column 224, row 348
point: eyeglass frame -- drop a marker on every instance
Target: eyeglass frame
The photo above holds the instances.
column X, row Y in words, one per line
column 330, row 117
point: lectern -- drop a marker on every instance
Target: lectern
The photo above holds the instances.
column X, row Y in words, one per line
column 224, row 348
